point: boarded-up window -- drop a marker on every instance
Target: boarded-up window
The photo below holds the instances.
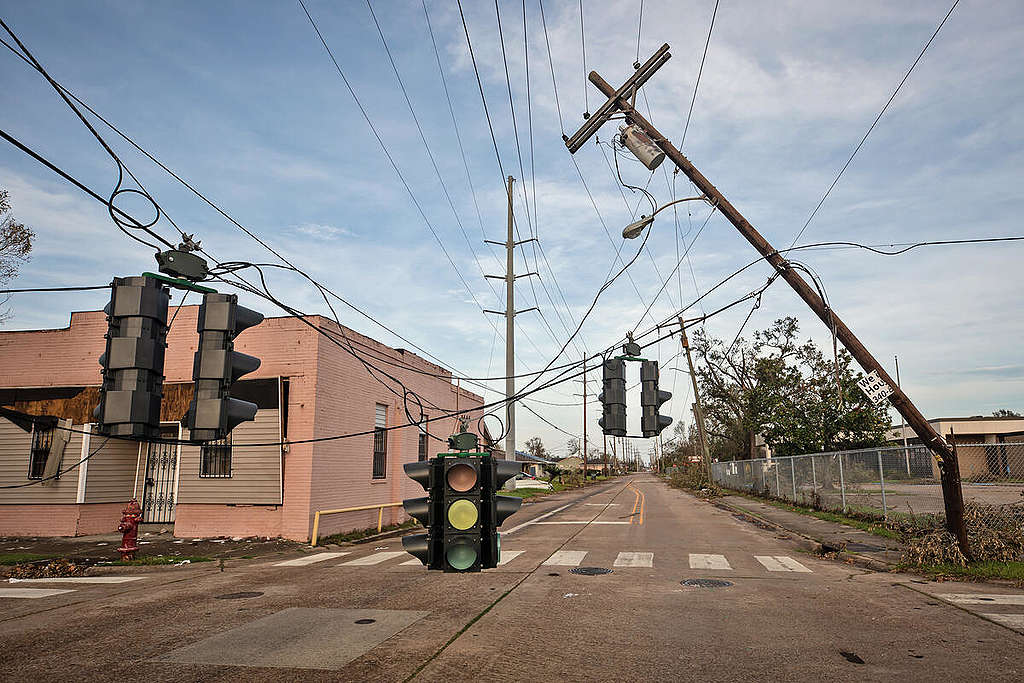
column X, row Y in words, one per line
column 215, row 458
column 42, row 440
column 380, row 442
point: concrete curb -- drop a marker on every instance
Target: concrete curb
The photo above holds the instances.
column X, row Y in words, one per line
column 810, row 543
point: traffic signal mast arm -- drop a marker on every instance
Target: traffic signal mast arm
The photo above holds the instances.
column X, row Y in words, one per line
column 619, row 102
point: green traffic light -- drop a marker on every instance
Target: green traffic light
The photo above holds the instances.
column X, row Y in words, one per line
column 461, row 556
column 462, row 514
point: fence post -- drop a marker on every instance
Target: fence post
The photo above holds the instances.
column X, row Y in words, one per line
column 792, row 471
column 814, row 478
column 881, row 479
column 764, row 477
column 842, row 482
column 778, row 486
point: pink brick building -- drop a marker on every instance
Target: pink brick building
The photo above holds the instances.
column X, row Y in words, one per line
column 307, row 387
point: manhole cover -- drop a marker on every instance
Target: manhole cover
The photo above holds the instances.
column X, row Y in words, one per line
column 365, row 621
column 706, row 583
column 590, row 571
column 239, row 596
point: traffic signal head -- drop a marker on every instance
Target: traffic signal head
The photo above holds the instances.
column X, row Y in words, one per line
column 213, row 413
column 424, row 547
column 132, row 363
column 651, row 399
column 613, row 398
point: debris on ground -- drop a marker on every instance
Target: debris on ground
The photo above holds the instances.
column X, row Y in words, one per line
column 47, row 570
column 995, row 533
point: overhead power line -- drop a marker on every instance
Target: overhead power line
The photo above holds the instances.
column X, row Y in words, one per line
column 875, row 122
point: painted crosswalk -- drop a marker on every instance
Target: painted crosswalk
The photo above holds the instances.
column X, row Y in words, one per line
column 702, row 561
column 634, row 559
column 310, row 559
column 376, row 558
column 526, row 559
column 33, row 593
column 81, row 579
column 781, row 563
column 1012, row 603
column 566, row 558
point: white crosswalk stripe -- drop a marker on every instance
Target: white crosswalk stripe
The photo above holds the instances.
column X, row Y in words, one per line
column 781, row 563
column 566, row 558
column 81, row 579
column 32, row 593
column 310, row 559
column 509, row 555
column 376, row 558
column 982, row 598
column 634, row 559
column 1015, row 621
column 699, row 561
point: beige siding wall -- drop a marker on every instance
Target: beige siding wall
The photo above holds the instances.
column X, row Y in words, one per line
column 255, row 470
column 15, row 444
column 111, row 471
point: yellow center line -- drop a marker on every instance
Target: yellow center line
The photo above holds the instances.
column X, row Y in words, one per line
column 636, row 503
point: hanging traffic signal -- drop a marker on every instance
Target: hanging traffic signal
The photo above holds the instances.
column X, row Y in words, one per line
column 651, row 422
column 424, row 547
column 613, row 398
column 496, row 508
column 212, row 413
column 133, row 360
column 462, row 510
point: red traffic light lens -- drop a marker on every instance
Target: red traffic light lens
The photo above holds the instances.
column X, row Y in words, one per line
column 462, row 477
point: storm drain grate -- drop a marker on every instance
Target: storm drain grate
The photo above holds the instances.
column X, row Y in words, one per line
column 590, row 571
column 706, row 583
column 239, row 596
column 863, row 548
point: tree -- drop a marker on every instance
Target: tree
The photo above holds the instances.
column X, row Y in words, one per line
column 1003, row 412
column 536, row 447
column 15, row 247
column 790, row 393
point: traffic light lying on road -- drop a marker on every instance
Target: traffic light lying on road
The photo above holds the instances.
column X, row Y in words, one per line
column 213, row 413
column 133, row 359
column 462, row 510
column 651, row 399
column 613, row 398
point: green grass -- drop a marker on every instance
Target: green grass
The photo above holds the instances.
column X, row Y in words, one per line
column 976, row 570
column 835, row 517
column 157, row 560
column 18, row 558
column 364, row 533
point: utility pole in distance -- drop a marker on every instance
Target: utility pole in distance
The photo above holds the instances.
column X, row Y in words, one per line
column 619, row 102
column 510, row 313
column 698, row 410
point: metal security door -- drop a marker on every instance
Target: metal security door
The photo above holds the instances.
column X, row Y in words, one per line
column 161, row 466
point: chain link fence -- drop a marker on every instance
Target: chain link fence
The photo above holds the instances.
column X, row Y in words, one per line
column 884, row 482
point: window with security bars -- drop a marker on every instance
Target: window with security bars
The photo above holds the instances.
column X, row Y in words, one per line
column 215, row 459
column 42, row 440
column 380, row 442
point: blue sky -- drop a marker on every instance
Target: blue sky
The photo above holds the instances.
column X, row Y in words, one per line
column 241, row 99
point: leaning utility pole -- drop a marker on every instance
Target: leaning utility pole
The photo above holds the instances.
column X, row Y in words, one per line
column 620, row 102
column 510, row 313
column 698, row 410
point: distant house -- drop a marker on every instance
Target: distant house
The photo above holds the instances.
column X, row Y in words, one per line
column 531, row 464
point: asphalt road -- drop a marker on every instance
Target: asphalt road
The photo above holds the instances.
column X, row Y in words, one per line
column 367, row 615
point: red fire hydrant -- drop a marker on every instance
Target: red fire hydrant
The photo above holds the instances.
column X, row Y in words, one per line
column 129, row 527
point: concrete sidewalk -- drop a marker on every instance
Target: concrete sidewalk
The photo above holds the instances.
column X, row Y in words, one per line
column 859, row 547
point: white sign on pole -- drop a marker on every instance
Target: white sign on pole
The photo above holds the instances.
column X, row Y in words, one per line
column 876, row 389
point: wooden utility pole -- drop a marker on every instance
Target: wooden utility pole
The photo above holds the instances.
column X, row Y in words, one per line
column 698, row 410
column 584, row 419
column 510, row 313
column 619, row 101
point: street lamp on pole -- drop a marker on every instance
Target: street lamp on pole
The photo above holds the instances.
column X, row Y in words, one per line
column 634, row 229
